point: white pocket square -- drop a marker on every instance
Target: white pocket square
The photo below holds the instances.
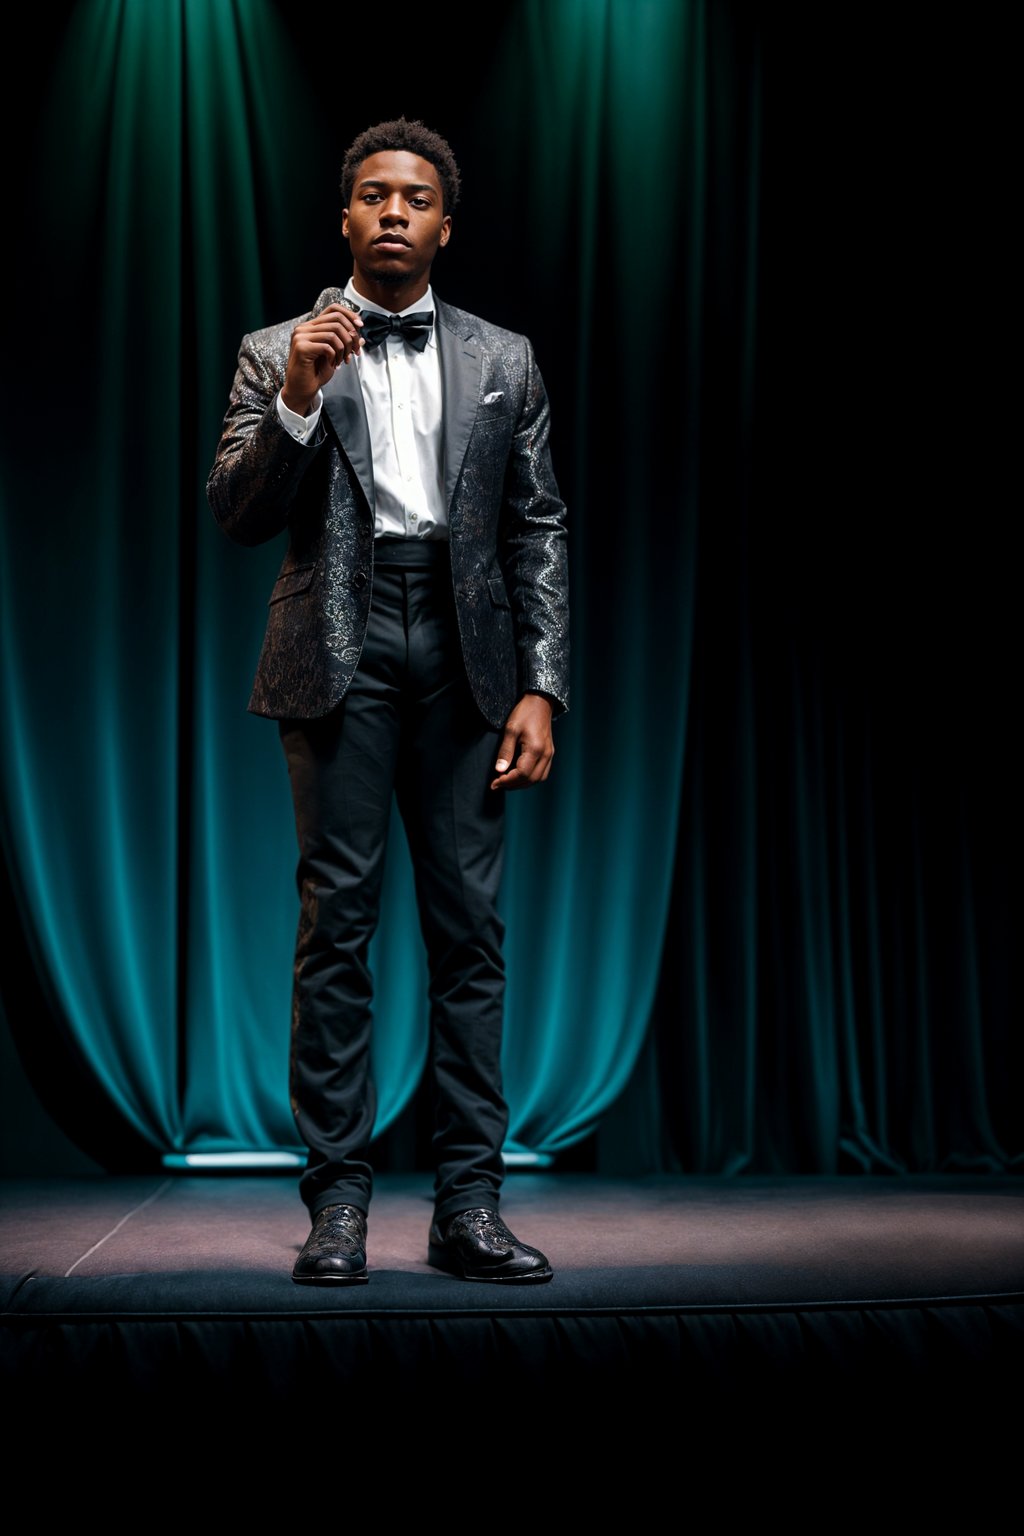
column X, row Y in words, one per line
column 498, row 394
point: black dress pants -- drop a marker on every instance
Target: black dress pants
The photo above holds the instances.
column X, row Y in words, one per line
column 407, row 726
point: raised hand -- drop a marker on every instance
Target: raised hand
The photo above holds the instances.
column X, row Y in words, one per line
column 318, row 348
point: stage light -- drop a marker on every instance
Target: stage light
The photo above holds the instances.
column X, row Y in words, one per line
column 185, row 1160
column 182, row 1161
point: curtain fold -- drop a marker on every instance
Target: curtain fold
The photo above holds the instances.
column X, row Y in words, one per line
column 617, row 119
column 147, row 819
column 247, row 113
column 91, row 580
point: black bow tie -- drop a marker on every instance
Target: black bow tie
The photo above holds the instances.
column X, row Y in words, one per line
column 415, row 328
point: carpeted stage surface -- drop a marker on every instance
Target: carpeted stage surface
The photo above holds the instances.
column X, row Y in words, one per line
column 192, row 1244
column 839, row 1304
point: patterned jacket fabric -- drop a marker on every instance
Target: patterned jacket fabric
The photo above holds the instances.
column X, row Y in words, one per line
column 507, row 523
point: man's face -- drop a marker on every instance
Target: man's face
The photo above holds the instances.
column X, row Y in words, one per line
column 395, row 223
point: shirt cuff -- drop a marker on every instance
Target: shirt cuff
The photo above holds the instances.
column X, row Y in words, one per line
column 300, row 427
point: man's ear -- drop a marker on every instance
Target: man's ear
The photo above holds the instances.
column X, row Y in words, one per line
column 446, row 229
column 344, row 222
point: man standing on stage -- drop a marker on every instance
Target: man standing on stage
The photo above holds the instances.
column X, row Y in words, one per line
column 417, row 645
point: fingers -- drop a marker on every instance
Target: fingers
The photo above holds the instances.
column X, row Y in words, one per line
column 507, row 750
column 334, row 336
column 527, row 747
column 349, row 324
column 532, row 766
column 318, row 348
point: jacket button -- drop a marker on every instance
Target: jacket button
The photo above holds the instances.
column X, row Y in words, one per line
column 359, row 579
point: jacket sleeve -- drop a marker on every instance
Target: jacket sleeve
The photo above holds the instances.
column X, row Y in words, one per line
column 534, row 550
column 258, row 464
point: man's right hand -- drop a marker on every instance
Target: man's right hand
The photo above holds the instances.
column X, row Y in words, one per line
column 319, row 347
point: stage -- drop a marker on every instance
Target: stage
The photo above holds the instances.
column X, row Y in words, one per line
column 796, row 1303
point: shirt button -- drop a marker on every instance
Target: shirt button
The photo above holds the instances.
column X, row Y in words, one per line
column 412, row 517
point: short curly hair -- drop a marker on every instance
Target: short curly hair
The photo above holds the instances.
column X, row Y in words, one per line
column 403, row 133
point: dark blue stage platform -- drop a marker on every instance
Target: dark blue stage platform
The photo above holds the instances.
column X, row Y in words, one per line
column 681, row 1308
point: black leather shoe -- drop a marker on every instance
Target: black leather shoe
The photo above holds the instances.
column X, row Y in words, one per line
column 477, row 1245
column 335, row 1251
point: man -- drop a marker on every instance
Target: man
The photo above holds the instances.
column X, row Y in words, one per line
column 417, row 644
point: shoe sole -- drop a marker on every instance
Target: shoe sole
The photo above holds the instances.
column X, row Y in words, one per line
column 360, row 1279
column 534, row 1277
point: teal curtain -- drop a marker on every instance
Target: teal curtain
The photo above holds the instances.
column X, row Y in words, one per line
column 758, row 918
column 608, row 102
column 248, row 119
column 149, row 824
column 90, row 561
column 147, row 818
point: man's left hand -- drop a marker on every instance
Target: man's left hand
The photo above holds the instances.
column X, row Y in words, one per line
column 527, row 746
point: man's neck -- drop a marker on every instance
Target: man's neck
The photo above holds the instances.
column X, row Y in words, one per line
column 393, row 297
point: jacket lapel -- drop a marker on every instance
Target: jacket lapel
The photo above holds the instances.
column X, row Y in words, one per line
column 343, row 402
column 461, row 367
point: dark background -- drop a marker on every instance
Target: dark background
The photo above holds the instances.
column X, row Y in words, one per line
column 855, row 592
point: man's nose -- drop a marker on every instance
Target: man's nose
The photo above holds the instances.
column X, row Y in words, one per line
column 392, row 210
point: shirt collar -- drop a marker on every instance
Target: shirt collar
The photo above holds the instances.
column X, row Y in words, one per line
column 425, row 301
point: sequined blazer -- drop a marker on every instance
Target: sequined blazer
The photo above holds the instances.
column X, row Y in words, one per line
column 505, row 517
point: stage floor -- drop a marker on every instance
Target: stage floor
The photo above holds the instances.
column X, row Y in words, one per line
column 197, row 1243
column 698, row 1332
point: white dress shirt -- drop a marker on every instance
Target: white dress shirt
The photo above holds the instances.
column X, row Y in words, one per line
column 402, row 394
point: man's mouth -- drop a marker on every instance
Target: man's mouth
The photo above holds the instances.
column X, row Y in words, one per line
column 397, row 240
